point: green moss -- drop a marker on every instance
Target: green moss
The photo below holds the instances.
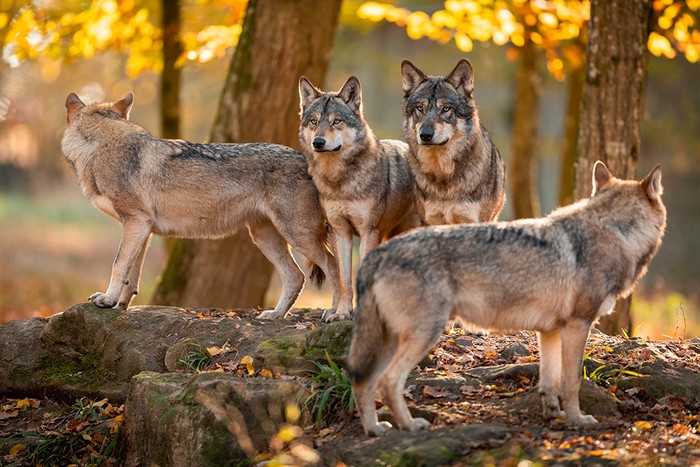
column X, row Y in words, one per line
column 58, row 372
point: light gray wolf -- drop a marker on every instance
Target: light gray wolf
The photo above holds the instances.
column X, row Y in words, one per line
column 365, row 184
column 194, row 190
column 459, row 173
column 555, row 275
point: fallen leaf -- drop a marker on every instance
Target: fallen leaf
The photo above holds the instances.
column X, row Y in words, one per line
column 214, row 350
column 265, row 372
column 23, row 403
column 642, row 425
column 17, row 448
column 433, row 392
column 8, row 414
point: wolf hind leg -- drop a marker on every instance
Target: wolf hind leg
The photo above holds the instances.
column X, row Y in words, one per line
column 414, row 342
column 573, row 337
column 276, row 249
column 550, row 372
column 366, row 390
column 135, row 235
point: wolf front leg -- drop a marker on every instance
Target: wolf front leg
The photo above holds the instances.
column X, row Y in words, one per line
column 573, row 337
column 131, row 288
column 135, row 235
column 342, row 236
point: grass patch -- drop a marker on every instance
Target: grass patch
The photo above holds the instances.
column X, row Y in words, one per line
column 331, row 396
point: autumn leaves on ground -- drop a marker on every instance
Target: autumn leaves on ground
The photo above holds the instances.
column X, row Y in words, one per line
column 635, row 387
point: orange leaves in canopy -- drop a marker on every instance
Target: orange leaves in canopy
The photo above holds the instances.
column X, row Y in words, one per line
column 63, row 31
column 553, row 25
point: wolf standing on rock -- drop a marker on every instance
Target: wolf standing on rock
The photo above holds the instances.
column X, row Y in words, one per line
column 194, row 190
column 459, row 173
column 365, row 184
column 555, row 275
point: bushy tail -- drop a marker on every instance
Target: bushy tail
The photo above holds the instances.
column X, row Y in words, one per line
column 367, row 331
column 316, row 274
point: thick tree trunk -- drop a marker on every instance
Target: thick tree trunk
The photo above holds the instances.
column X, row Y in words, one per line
column 612, row 104
column 170, row 77
column 522, row 164
column 281, row 40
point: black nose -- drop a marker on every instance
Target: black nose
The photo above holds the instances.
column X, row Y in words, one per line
column 426, row 135
column 318, row 143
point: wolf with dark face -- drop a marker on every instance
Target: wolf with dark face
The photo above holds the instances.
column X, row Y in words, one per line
column 459, row 173
column 365, row 184
column 554, row 275
column 194, row 190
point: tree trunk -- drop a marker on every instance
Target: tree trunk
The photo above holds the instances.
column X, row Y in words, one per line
column 171, row 74
column 574, row 90
column 281, row 40
column 612, row 104
column 522, row 164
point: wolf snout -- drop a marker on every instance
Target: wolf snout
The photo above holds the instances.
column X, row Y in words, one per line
column 426, row 134
column 318, row 142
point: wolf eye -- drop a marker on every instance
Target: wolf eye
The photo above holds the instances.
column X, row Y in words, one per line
column 313, row 121
column 337, row 121
column 446, row 108
column 419, row 108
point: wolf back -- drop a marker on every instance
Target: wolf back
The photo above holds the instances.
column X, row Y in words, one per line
column 195, row 190
column 555, row 275
column 459, row 172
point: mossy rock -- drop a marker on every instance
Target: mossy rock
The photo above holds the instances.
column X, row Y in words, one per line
column 295, row 354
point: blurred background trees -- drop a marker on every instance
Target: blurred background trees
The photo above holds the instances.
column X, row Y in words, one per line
column 102, row 49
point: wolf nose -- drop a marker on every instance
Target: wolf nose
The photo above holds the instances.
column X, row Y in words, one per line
column 318, row 143
column 426, row 135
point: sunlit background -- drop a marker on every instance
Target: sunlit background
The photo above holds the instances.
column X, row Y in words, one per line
column 56, row 249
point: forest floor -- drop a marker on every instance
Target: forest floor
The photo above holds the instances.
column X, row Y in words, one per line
column 640, row 428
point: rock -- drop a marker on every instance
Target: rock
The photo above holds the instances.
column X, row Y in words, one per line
column 515, row 350
column 489, row 374
column 427, row 448
column 662, row 379
column 209, row 419
column 94, row 352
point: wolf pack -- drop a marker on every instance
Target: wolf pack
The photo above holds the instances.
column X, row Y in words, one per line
column 425, row 211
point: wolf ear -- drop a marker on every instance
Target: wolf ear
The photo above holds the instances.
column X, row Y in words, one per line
column 462, row 78
column 351, row 94
column 73, row 104
column 123, row 107
column 411, row 77
column 307, row 92
column 652, row 184
column 601, row 177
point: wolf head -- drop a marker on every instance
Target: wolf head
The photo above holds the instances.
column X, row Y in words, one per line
column 631, row 210
column 331, row 122
column 438, row 108
column 120, row 108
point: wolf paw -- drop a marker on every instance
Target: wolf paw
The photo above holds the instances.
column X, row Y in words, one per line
column 418, row 424
column 331, row 315
column 102, row 300
column 379, row 429
column 583, row 420
column 271, row 314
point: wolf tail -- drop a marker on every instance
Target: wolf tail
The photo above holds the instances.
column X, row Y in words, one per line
column 366, row 343
column 316, row 274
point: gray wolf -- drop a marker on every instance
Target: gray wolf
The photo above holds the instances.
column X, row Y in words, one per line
column 365, row 184
column 459, row 173
column 194, row 190
column 555, row 275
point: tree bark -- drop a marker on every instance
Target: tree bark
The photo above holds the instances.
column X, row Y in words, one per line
column 574, row 90
column 612, row 104
column 171, row 75
column 525, row 128
column 280, row 41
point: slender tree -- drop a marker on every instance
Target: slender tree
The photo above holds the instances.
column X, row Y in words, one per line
column 613, row 91
column 171, row 75
column 280, row 41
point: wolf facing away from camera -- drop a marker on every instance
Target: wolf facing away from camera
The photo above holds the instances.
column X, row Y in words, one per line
column 555, row 275
column 460, row 175
column 194, row 190
column 365, row 184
